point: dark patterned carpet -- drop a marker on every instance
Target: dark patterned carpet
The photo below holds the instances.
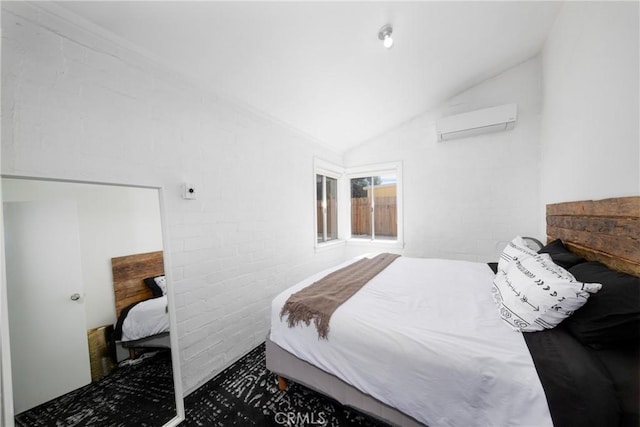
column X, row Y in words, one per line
column 136, row 395
column 245, row 394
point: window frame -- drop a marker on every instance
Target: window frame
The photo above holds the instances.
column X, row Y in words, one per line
column 344, row 175
column 330, row 170
column 371, row 171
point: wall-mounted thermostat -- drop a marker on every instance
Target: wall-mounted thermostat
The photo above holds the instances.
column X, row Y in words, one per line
column 188, row 191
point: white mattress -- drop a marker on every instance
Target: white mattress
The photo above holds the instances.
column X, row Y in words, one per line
column 424, row 336
column 146, row 318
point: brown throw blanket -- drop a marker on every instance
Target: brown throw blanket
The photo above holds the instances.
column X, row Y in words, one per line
column 318, row 301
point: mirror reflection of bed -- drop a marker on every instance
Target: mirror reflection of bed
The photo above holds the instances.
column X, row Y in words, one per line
column 141, row 305
column 64, row 297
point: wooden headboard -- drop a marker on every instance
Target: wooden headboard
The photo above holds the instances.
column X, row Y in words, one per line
column 129, row 273
column 603, row 230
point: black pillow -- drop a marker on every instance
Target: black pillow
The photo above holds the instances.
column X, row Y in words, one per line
column 153, row 286
column 610, row 316
column 561, row 255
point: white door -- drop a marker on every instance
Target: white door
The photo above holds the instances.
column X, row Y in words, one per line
column 49, row 350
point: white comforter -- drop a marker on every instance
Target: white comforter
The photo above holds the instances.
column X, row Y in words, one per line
column 149, row 317
column 424, row 337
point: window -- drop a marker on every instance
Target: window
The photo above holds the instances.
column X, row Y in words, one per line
column 360, row 205
column 326, row 208
column 374, row 207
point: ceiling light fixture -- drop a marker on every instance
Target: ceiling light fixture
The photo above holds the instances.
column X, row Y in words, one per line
column 385, row 35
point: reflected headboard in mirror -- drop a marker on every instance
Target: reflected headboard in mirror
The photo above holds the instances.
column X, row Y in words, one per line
column 129, row 273
column 605, row 230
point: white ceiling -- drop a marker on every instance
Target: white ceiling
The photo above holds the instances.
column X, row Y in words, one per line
column 319, row 66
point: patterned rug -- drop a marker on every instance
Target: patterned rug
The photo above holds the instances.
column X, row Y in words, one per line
column 135, row 395
column 245, row 394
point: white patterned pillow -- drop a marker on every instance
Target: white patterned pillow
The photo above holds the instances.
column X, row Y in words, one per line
column 162, row 284
column 516, row 249
column 534, row 294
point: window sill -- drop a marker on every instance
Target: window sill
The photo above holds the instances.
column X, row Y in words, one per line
column 391, row 244
column 325, row 246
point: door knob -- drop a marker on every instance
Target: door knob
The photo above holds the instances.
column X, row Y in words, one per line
column 75, row 297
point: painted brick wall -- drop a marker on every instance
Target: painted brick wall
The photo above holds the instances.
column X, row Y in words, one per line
column 78, row 106
column 466, row 198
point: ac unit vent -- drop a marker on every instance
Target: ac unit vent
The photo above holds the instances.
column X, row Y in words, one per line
column 494, row 119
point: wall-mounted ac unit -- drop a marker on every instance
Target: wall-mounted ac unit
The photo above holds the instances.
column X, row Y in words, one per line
column 494, row 119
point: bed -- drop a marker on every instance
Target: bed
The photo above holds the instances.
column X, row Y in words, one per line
column 140, row 302
column 468, row 368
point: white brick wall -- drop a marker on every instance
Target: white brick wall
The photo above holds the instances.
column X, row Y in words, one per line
column 466, row 198
column 77, row 106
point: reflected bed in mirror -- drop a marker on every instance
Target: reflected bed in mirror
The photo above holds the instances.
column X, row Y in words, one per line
column 60, row 238
column 139, row 286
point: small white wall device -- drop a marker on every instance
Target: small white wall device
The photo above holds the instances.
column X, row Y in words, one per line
column 487, row 120
column 188, row 191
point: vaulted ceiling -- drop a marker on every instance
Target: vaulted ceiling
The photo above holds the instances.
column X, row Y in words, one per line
column 319, row 67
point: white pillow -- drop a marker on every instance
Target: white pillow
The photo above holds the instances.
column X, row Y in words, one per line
column 162, row 284
column 534, row 294
column 516, row 249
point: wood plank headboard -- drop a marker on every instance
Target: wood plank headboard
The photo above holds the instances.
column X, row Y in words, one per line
column 129, row 273
column 603, row 230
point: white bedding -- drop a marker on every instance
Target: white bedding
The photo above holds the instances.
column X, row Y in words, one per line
column 424, row 336
column 146, row 318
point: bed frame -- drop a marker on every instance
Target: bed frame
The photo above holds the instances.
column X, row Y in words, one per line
column 129, row 273
column 606, row 230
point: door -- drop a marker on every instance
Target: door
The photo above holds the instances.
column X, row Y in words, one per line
column 49, row 349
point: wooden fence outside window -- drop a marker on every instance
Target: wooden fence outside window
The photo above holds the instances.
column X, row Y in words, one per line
column 386, row 218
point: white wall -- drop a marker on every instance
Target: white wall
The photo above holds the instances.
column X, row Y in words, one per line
column 112, row 221
column 577, row 138
column 78, row 106
column 466, row 198
column 590, row 138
